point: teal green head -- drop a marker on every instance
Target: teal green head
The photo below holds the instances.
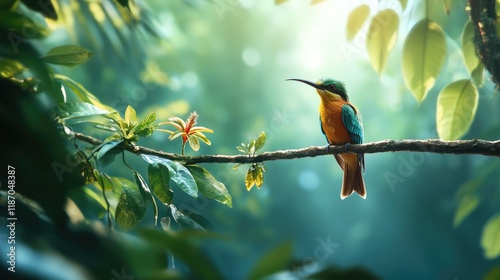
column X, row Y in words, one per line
column 327, row 86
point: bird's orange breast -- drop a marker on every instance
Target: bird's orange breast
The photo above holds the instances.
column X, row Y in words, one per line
column 330, row 112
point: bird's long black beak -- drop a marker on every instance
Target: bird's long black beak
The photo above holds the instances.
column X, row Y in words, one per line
column 314, row 85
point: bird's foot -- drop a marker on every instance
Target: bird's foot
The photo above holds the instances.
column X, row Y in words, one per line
column 328, row 148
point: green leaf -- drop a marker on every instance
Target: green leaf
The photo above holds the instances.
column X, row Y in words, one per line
column 183, row 220
column 276, row 260
column 103, row 180
column 356, row 20
column 185, row 246
column 68, row 55
column 67, row 111
column 261, row 141
column 447, row 6
column 159, row 178
column 467, row 205
column 249, row 180
column 456, row 108
column 105, row 147
column 490, row 238
column 130, row 209
column 146, row 193
column 209, row 186
column 493, row 274
column 178, row 173
column 474, row 65
column 146, row 127
column 424, row 54
column 130, row 115
column 254, row 176
column 45, row 8
column 277, row 2
column 10, row 68
column 22, row 26
column 84, row 95
column 381, row 38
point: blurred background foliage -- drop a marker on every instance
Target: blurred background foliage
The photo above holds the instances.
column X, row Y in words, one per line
column 424, row 216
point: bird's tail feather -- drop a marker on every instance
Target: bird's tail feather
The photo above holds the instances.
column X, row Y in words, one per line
column 353, row 181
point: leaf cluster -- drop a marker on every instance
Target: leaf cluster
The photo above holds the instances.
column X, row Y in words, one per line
column 255, row 173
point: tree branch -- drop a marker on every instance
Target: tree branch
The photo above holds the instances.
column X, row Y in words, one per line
column 479, row 147
column 484, row 18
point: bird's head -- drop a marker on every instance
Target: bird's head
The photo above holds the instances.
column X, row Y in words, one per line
column 327, row 88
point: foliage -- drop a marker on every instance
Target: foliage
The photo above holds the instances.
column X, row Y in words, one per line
column 255, row 173
column 35, row 84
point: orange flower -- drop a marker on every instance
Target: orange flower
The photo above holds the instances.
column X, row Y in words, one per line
column 188, row 131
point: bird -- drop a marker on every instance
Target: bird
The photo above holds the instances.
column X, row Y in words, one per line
column 341, row 123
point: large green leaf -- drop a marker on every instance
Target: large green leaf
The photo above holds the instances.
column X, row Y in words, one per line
column 474, row 65
column 159, row 178
column 467, row 205
column 274, row 261
column 424, row 54
column 490, row 239
column 184, row 220
column 68, row 55
column 71, row 110
column 84, row 95
column 381, row 38
column 493, row 274
column 146, row 193
column 130, row 209
column 356, row 20
column 209, row 186
column 178, row 173
column 456, row 108
column 21, row 25
column 45, row 8
column 106, row 147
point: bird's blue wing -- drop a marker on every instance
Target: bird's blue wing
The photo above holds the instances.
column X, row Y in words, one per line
column 354, row 125
column 352, row 122
column 322, row 130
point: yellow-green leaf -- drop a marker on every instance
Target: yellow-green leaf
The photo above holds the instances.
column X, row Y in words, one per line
column 68, row 55
column 424, row 54
column 194, row 143
column 249, row 180
column 258, row 176
column 315, row 1
column 356, row 20
column 467, row 205
column 277, row 2
column 381, row 38
column 130, row 115
column 474, row 65
column 490, row 239
column 259, row 143
column 10, row 68
column 456, row 108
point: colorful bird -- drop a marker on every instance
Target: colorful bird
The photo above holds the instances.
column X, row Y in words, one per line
column 341, row 124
